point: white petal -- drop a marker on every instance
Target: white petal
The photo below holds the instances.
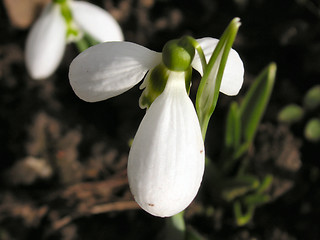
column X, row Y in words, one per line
column 96, row 21
column 46, row 43
column 208, row 45
column 166, row 160
column 109, row 69
column 233, row 74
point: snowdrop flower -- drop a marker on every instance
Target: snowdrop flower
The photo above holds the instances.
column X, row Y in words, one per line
column 64, row 21
column 166, row 160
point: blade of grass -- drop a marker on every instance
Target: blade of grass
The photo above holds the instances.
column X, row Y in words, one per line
column 255, row 103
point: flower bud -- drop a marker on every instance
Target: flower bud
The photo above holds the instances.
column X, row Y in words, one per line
column 178, row 54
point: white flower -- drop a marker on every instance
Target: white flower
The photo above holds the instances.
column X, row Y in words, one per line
column 46, row 43
column 47, row 39
column 233, row 74
column 166, row 160
column 109, row 69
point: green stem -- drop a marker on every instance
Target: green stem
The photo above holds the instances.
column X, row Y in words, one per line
column 197, row 46
column 175, row 227
column 82, row 44
column 59, row 1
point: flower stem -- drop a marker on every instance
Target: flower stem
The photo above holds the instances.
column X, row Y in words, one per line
column 197, row 47
column 82, row 44
column 175, row 227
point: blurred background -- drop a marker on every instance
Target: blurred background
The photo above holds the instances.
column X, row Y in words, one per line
column 63, row 161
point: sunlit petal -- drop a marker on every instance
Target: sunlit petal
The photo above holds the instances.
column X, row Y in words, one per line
column 96, row 21
column 46, row 43
column 166, row 160
column 109, row 69
column 233, row 74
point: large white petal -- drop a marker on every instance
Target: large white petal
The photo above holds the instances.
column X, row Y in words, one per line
column 109, row 69
column 166, row 160
column 233, row 73
column 96, row 21
column 46, row 43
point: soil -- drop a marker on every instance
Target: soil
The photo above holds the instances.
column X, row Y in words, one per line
column 63, row 161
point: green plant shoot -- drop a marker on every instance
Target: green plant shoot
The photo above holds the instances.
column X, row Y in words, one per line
column 208, row 91
column 249, row 113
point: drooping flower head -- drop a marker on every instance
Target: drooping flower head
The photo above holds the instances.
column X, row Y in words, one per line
column 166, row 160
column 64, row 21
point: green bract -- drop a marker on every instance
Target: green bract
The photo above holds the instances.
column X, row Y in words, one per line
column 155, row 83
column 208, row 92
column 178, row 54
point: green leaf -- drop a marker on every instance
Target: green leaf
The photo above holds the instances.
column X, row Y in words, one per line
column 312, row 98
column 193, row 235
column 233, row 128
column 265, row 184
column 208, row 91
column 238, row 186
column 291, row 114
column 255, row 102
column 256, row 199
column 312, row 130
column 242, row 218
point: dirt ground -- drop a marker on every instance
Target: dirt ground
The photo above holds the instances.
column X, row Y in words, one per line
column 63, row 161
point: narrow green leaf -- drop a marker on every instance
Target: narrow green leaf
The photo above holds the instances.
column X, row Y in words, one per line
column 241, row 150
column 233, row 128
column 256, row 199
column 193, row 235
column 291, row 114
column 238, row 186
column 208, row 91
column 265, row 184
column 255, row 103
column 241, row 218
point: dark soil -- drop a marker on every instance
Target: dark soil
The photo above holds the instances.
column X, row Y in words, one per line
column 63, row 161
